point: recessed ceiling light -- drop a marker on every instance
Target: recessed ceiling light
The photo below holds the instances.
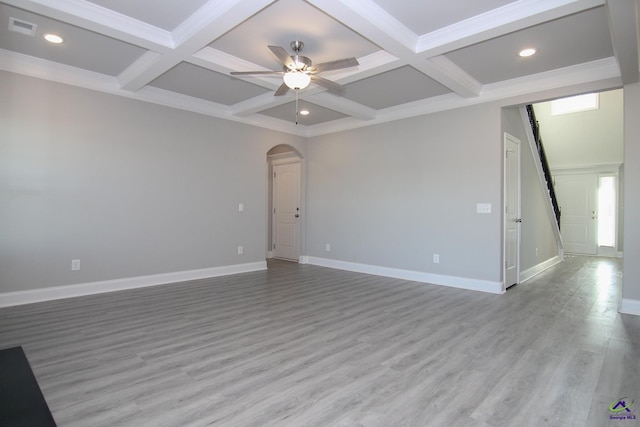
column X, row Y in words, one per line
column 53, row 38
column 527, row 52
column 304, row 112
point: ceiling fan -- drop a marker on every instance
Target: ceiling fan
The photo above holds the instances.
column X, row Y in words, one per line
column 298, row 70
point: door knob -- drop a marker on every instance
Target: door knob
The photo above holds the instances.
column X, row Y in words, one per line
column 518, row 219
column 297, row 216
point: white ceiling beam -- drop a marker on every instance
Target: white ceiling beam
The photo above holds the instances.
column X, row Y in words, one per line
column 56, row 72
column 223, row 63
column 314, row 95
column 372, row 22
column 343, row 105
column 212, row 20
column 623, row 24
column 597, row 76
column 445, row 72
column 257, row 104
column 370, row 65
column 503, row 20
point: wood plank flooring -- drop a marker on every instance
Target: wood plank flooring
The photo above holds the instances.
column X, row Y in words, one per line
column 302, row 345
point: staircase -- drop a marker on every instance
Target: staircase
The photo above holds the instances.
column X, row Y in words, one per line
column 535, row 127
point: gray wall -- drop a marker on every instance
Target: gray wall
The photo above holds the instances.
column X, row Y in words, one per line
column 134, row 189
column 129, row 188
column 394, row 194
column 631, row 269
column 536, row 230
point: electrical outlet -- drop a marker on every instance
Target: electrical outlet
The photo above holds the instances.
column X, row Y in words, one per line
column 436, row 258
column 240, row 250
column 241, row 207
column 75, row 264
column 327, row 247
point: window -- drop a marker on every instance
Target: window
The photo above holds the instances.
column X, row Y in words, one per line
column 607, row 211
column 573, row 104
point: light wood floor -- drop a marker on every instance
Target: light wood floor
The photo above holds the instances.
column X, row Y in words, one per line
column 301, row 345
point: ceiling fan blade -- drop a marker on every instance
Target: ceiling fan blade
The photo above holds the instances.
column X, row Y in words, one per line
column 283, row 56
column 281, row 90
column 338, row 64
column 328, row 84
column 254, row 73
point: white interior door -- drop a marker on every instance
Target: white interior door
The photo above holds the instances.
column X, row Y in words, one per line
column 578, row 200
column 512, row 218
column 286, row 205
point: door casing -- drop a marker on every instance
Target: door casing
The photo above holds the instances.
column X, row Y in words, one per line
column 511, row 210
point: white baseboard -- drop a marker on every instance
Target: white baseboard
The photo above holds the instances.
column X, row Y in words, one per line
column 69, row 291
column 630, row 306
column 416, row 276
column 537, row 269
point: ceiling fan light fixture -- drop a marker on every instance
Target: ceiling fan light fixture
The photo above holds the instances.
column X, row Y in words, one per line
column 297, row 80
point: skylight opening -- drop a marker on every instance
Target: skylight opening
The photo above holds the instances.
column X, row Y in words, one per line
column 574, row 104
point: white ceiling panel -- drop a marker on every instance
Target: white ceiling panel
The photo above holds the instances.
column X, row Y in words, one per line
column 414, row 57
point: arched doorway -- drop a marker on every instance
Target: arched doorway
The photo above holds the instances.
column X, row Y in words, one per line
column 285, row 202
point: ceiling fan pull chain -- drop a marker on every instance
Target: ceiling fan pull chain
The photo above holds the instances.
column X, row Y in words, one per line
column 297, row 90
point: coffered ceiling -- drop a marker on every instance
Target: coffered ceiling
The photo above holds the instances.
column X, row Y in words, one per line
column 414, row 57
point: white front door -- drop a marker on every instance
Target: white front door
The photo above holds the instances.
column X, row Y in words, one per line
column 286, row 204
column 512, row 218
column 578, row 200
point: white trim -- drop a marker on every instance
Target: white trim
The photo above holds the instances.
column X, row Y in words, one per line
column 600, row 75
column 69, row 291
column 601, row 168
column 508, row 137
column 607, row 251
column 630, row 306
column 537, row 269
column 285, row 158
column 416, row 276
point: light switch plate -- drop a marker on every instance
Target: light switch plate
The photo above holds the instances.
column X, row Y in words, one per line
column 483, row 208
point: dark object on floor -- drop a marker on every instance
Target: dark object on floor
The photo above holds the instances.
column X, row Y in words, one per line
column 21, row 401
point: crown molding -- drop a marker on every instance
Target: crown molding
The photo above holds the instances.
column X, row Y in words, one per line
column 601, row 74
